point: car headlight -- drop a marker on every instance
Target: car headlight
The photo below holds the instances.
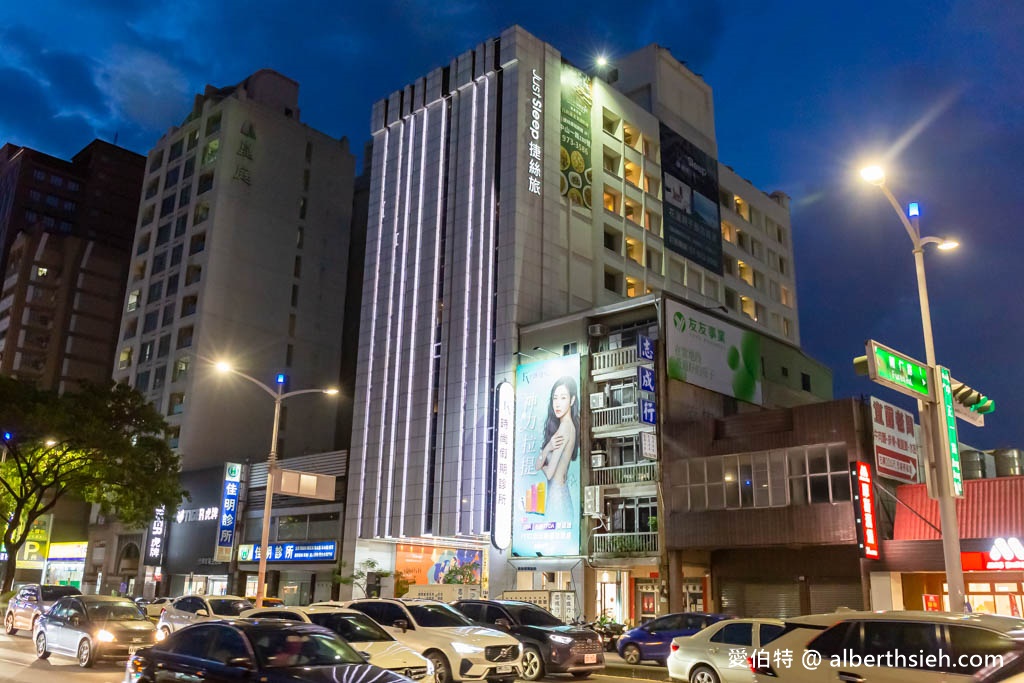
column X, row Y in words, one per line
column 555, row 638
column 105, row 636
column 160, row 634
column 466, row 648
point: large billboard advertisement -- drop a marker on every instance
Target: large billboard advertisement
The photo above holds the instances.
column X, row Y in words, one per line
column 713, row 354
column 692, row 221
column 423, row 565
column 546, row 495
column 896, row 448
column 574, row 159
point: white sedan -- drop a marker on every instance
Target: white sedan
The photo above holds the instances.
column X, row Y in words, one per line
column 718, row 653
column 362, row 632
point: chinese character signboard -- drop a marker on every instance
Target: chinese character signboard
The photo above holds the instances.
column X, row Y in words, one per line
column 504, row 462
column 644, row 349
column 690, row 180
column 932, row 603
column 948, row 435
column 864, row 509
column 155, row 543
column 535, row 138
column 649, row 445
column 896, row 448
column 704, row 351
column 648, row 412
column 574, row 159
column 229, row 509
column 319, row 551
column 896, row 371
column 546, row 490
column 645, row 378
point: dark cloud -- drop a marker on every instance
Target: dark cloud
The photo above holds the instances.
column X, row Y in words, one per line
column 31, row 119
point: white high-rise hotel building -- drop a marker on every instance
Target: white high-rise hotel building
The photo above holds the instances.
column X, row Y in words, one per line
column 510, row 188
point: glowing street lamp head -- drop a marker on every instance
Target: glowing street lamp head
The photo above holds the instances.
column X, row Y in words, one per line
column 331, row 392
column 223, row 366
column 873, row 174
column 602, row 60
column 948, row 245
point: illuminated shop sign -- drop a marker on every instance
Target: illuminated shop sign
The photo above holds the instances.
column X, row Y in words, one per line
column 535, row 140
column 198, row 515
column 1006, row 553
column 864, row 509
column 321, row 551
column 504, row 463
column 229, row 510
column 155, row 547
column 74, row 551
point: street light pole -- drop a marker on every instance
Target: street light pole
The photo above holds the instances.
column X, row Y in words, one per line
column 271, row 464
column 930, row 413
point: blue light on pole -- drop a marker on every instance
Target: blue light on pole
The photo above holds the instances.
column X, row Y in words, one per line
column 914, row 210
column 280, row 378
column 8, row 436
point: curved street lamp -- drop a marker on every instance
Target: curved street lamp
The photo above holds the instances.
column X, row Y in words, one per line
column 930, row 418
column 224, row 367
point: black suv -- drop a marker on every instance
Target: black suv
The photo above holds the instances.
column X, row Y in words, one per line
column 549, row 646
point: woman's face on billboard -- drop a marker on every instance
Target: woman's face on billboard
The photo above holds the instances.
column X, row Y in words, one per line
column 561, row 401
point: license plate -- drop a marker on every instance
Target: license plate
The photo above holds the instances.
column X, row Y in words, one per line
column 504, row 669
column 132, row 651
column 590, row 659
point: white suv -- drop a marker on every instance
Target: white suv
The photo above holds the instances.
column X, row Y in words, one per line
column 459, row 649
column 192, row 609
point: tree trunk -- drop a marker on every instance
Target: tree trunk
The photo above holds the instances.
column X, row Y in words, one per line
column 11, row 566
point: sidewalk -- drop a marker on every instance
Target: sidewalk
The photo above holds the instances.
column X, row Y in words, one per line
column 616, row 666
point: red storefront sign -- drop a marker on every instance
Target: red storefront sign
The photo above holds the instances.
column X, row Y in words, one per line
column 864, row 509
column 932, row 603
column 1006, row 553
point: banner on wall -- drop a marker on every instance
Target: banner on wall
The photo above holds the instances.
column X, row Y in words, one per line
column 547, row 465
column 574, row 157
column 421, row 564
column 692, row 220
column 705, row 351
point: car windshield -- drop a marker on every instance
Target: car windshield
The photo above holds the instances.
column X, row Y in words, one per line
column 528, row 615
column 51, row 593
column 115, row 611
column 437, row 615
column 282, row 648
column 229, row 608
column 355, row 628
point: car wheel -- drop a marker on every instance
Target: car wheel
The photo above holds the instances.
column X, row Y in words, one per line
column 703, row 674
column 86, row 656
column 581, row 674
column 9, row 624
column 442, row 672
column 533, row 664
column 41, row 650
column 631, row 653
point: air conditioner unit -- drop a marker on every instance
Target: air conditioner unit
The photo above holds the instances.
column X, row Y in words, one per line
column 597, row 330
column 598, row 458
column 597, row 401
column 593, row 501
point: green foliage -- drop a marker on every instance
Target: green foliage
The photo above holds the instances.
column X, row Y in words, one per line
column 357, row 577
column 652, row 523
column 463, row 574
column 102, row 444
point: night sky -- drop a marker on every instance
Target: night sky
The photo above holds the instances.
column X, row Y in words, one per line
column 805, row 93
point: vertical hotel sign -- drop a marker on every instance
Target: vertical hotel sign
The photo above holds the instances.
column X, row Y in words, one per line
column 535, row 140
column 546, row 491
column 864, row 509
column 504, row 462
column 155, row 545
column 574, row 156
column 228, row 512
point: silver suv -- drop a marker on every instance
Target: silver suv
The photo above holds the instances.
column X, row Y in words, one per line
column 30, row 602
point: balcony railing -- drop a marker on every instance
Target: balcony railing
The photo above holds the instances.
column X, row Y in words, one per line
column 618, row 415
column 624, row 474
column 605, row 361
column 626, row 544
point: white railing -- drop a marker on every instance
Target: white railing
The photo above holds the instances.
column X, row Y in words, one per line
column 618, row 415
column 624, row 474
column 625, row 544
column 603, row 361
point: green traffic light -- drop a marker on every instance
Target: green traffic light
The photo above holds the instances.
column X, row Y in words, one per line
column 984, row 406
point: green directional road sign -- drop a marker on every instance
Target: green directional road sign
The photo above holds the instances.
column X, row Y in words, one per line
column 899, row 372
column 947, row 429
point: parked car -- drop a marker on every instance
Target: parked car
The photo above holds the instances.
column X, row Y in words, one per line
column 359, row 631
column 459, row 649
column 653, row 639
column 549, row 645
column 155, row 607
column 91, row 627
column 192, row 609
column 267, row 601
column 265, row 650
column 847, row 637
column 31, row 601
column 718, row 653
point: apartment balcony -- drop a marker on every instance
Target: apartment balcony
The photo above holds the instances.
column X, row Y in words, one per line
column 614, row 364
column 625, row 545
column 639, row 473
column 615, row 421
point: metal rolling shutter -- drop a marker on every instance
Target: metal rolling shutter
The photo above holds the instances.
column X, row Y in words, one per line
column 826, row 597
column 777, row 600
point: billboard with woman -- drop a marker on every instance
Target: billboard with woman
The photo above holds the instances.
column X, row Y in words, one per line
column 546, row 493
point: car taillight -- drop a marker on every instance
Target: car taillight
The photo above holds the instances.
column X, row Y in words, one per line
column 674, row 647
column 764, row 670
column 162, row 610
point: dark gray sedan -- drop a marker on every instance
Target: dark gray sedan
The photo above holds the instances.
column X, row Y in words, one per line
column 91, row 627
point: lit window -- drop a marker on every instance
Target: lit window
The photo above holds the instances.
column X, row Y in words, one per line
column 124, row 361
column 41, row 272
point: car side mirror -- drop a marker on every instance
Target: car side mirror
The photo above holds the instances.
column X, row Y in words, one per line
column 202, row 613
column 503, row 624
column 241, row 663
column 401, row 624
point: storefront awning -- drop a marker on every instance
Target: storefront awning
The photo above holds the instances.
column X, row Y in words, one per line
column 990, row 508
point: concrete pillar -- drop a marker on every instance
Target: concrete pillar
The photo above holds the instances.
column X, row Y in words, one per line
column 676, row 598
